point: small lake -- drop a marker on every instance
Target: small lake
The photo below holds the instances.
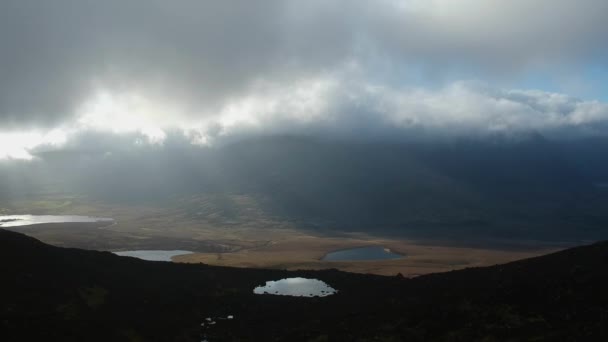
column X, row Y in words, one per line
column 153, row 255
column 28, row 220
column 296, row 287
column 362, row 254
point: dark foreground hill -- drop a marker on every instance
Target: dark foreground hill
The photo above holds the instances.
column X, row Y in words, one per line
column 56, row 294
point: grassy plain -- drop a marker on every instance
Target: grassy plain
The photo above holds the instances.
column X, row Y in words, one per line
column 234, row 231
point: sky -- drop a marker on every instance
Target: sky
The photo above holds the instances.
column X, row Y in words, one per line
column 74, row 70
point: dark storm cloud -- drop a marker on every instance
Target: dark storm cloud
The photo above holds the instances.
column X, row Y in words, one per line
column 280, row 65
column 54, row 53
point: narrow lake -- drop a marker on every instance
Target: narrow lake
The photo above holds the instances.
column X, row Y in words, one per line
column 362, row 254
column 153, row 255
column 28, row 220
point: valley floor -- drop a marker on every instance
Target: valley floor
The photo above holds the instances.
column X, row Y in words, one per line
column 253, row 240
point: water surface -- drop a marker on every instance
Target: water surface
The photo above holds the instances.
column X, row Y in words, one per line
column 153, row 255
column 28, row 220
column 361, row 254
column 297, row 287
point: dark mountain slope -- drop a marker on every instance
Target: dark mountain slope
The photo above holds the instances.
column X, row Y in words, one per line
column 53, row 293
column 524, row 187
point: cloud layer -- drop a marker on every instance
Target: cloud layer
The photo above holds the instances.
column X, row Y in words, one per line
column 219, row 69
column 330, row 107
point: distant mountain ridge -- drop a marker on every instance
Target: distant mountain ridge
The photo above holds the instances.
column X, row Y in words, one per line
column 523, row 186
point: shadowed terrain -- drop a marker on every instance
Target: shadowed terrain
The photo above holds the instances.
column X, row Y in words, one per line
column 522, row 187
column 50, row 293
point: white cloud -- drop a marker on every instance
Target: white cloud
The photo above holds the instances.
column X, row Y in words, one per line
column 126, row 113
column 337, row 105
column 206, row 55
column 504, row 35
column 19, row 145
column 352, row 107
